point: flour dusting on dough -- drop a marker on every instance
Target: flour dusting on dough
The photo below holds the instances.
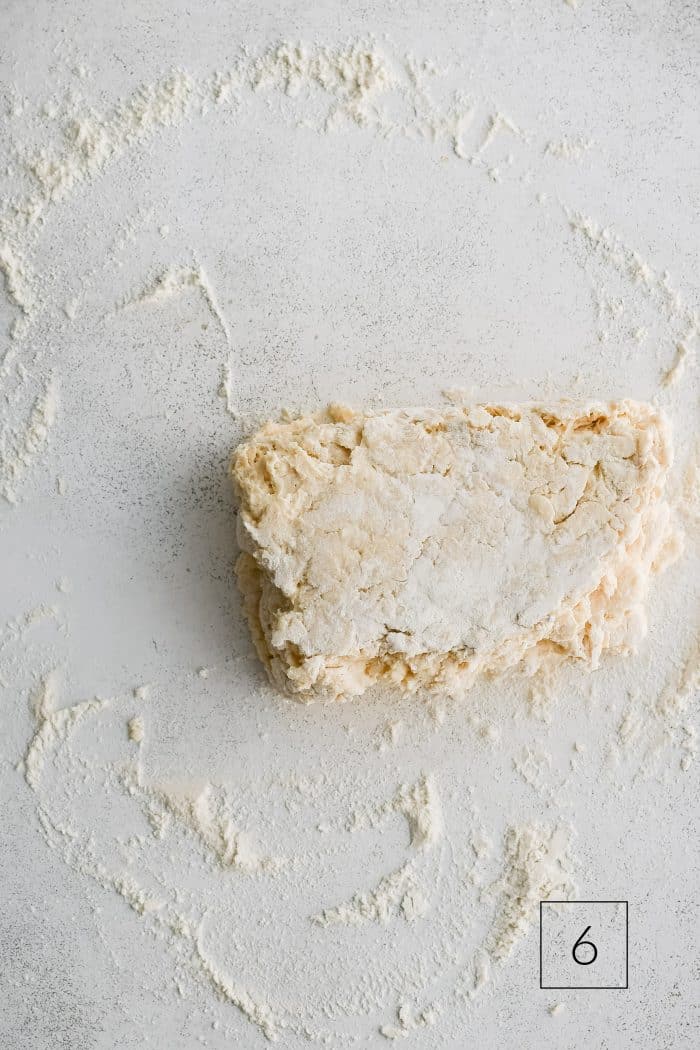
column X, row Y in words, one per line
column 424, row 548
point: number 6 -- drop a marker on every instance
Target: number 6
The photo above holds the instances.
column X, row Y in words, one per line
column 580, row 944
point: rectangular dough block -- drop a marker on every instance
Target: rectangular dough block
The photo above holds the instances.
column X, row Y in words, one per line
column 424, row 547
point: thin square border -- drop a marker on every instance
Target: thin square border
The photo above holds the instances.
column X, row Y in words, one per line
column 591, row 987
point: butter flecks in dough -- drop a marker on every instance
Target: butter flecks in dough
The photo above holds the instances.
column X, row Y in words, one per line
column 424, row 547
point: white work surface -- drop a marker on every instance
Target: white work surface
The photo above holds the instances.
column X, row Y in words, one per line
column 375, row 266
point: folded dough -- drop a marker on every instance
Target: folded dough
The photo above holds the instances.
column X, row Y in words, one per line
column 423, row 547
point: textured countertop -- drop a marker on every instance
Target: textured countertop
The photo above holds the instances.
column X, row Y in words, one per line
column 210, row 212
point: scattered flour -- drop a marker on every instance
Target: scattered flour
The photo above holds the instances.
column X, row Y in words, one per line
column 205, row 813
column 397, row 894
column 20, row 447
column 482, row 973
column 461, row 395
column 136, row 730
column 677, row 696
column 174, row 281
column 408, row 1020
column 355, row 77
column 533, row 766
column 92, row 141
column 226, row 389
column 167, row 912
column 675, row 372
column 629, row 263
column 52, row 725
column 481, row 843
column 569, row 149
column 258, row 1013
column 649, row 725
column 689, row 747
column 359, row 84
column 418, row 803
column 402, row 892
column 167, row 916
column 498, row 123
column 18, row 280
column 537, row 867
column 15, row 630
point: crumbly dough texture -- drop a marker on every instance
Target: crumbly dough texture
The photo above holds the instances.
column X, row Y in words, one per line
column 424, row 547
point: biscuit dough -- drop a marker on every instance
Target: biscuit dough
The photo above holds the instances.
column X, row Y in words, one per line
column 424, row 547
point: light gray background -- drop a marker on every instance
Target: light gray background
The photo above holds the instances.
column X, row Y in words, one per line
column 372, row 271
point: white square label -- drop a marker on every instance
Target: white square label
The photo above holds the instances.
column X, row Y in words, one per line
column 583, row 944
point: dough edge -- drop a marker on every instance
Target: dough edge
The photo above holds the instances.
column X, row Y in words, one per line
column 614, row 610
